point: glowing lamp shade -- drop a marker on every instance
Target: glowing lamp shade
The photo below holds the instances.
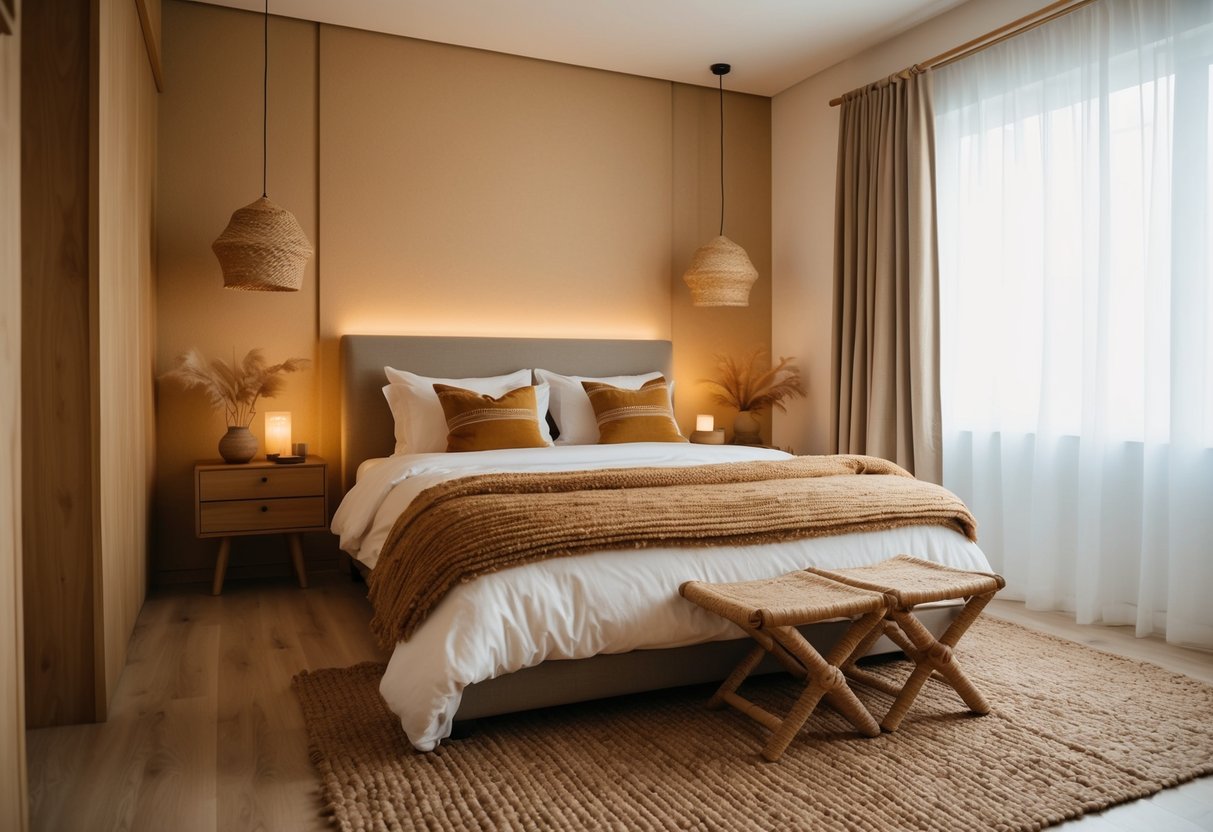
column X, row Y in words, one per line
column 278, row 432
column 705, row 422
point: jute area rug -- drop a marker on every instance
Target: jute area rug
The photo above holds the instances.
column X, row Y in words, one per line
column 1073, row 731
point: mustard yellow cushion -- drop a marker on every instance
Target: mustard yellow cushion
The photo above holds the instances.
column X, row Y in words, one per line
column 476, row 422
column 642, row 415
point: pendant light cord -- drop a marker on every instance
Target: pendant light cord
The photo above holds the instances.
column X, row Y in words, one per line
column 721, row 79
column 265, row 96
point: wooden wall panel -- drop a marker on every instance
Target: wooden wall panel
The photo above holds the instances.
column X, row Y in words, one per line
column 56, row 411
column 149, row 12
column 88, row 278
column 13, row 808
column 123, row 294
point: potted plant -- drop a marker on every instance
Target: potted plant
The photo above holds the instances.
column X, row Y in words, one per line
column 751, row 385
column 234, row 389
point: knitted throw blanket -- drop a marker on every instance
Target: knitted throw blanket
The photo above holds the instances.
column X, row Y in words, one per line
column 468, row 527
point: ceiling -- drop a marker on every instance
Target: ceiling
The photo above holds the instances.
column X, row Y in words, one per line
column 772, row 44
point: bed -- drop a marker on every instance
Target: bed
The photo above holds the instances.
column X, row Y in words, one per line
column 575, row 628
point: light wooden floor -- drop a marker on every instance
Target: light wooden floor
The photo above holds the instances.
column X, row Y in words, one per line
column 206, row 735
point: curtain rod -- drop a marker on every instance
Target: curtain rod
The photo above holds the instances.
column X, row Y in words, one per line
column 991, row 38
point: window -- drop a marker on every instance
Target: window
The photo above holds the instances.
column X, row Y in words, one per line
column 1074, row 177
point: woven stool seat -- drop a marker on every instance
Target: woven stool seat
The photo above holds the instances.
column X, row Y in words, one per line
column 769, row 611
column 793, row 599
column 907, row 582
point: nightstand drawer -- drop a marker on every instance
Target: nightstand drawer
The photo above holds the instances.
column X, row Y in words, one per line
column 235, row 516
column 259, row 483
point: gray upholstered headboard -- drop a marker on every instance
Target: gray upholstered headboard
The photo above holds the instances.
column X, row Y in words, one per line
column 366, row 422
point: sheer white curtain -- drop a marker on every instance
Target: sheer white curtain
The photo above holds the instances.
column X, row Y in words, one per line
column 1075, row 195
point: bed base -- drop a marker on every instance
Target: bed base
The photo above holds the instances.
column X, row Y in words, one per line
column 619, row 674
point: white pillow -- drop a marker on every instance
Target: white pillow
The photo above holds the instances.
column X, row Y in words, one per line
column 420, row 423
column 571, row 408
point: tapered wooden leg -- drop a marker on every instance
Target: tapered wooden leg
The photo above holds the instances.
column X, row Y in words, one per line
column 225, row 550
column 296, row 545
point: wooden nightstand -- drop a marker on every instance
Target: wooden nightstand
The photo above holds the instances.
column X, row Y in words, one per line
column 260, row 498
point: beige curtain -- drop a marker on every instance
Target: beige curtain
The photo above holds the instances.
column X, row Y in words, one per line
column 886, row 278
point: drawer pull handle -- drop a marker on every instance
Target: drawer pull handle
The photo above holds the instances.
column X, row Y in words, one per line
column 265, row 479
column 265, row 508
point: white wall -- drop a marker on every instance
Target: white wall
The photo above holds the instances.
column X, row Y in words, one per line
column 804, row 148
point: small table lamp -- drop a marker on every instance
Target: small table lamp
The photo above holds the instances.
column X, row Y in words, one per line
column 278, row 433
column 706, row 432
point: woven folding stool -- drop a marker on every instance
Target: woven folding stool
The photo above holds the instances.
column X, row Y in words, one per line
column 909, row 582
column 770, row 610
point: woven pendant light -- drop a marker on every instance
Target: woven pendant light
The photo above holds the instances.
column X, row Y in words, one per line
column 263, row 248
column 721, row 273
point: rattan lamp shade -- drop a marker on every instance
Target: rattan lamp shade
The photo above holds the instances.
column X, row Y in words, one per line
column 263, row 249
column 720, row 274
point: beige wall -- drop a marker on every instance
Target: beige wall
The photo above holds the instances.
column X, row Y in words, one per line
column 700, row 333
column 210, row 165
column 469, row 192
column 804, row 155
column 13, row 802
column 451, row 191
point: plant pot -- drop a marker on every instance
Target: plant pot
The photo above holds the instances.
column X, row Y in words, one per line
column 745, row 429
column 238, row 445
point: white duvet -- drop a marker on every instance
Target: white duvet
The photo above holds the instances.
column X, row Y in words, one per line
column 576, row 607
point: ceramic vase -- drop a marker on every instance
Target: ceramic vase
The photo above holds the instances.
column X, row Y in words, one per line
column 745, row 429
column 238, row 445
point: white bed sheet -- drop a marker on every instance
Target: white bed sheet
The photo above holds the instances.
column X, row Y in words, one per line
column 577, row 607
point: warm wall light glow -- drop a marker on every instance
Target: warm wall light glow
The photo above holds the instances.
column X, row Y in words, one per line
column 705, row 422
column 278, row 432
column 559, row 326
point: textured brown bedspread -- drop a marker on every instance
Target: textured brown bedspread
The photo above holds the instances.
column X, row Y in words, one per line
column 465, row 528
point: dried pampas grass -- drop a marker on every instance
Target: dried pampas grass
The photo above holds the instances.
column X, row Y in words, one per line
column 745, row 385
column 234, row 388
